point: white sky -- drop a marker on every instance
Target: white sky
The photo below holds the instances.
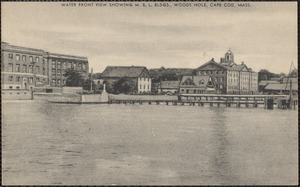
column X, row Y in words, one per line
column 264, row 35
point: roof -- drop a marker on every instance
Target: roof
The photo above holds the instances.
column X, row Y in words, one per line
column 266, row 82
column 237, row 67
column 8, row 47
column 123, row 71
column 70, row 57
column 293, row 79
column 196, row 80
column 279, row 86
column 169, row 84
column 213, row 62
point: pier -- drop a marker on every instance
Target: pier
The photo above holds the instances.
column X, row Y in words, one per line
column 266, row 101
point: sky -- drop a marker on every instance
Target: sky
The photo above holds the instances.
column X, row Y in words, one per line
column 263, row 36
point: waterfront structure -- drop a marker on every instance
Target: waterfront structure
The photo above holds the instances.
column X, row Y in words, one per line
column 282, row 85
column 229, row 77
column 169, row 87
column 58, row 63
column 22, row 67
column 137, row 76
column 27, row 68
column 196, row 84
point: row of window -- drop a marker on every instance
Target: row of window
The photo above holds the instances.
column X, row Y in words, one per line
column 145, row 79
column 25, row 69
column 68, row 65
column 58, row 81
column 144, row 87
column 18, row 79
column 210, row 72
column 193, row 91
column 24, row 57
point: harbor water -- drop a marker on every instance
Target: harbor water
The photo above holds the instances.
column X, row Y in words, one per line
column 98, row 144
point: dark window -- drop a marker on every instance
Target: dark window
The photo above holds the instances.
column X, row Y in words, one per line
column 17, row 67
column 10, row 78
column 24, row 58
column 10, row 55
column 10, row 67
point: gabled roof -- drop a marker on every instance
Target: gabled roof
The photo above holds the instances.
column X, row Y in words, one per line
column 288, row 79
column 283, row 87
column 238, row 67
column 266, row 82
column 123, row 71
column 212, row 62
column 169, row 84
column 196, row 80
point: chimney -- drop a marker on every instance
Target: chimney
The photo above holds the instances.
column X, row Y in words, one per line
column 212, row 59
column 242, row 62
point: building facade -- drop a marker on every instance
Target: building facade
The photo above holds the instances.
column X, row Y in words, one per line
column 137, row 77
column 22, row 67
column 229, row 77
column 199, row 84
column 27, row 68
column 59, row 63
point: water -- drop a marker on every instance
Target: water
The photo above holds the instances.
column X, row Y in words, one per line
column 52, row 144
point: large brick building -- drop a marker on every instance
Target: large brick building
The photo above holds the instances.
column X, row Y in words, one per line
column 25, row 68
column 229, row 77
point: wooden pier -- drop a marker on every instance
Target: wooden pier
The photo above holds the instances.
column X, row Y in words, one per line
column 267, row 101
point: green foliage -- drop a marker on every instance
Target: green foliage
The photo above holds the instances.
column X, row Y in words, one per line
column 124, row 86
column 87, row 85
column 73, row 78
column 266, row 75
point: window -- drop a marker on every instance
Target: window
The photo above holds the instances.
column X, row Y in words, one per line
column 216, row 79
column 53, row 81
column 194, row 91
column 58, row 65
column 10, row 67
column 211, row 72
column 140, row 86
column 58, row 81
column 31, row 79
column 18, row 57
column 63, row 65
column 64, row 81
column 30, row 59
column 10, row 78
column 30, row 69
column 17, row 67
column 221, row 86
column 144, row 87
column 10, row 55
column 24, row 68
column 10, row 87
column 79, row 66
column 53, row 64
column 18, row 79
column 187, row 91
column 148, row 87
column 202, row 72
column 18, row 87
column 44, row 71
column 201, row 82
column 24, row 58
column 38, row 79
column 83, row 66
column 37, row 69
column 217, row 72
column 69, row 65
column 53, row 72
column 37, row 59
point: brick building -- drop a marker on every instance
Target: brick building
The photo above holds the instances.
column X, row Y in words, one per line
column 229, row 77
column 25, row 68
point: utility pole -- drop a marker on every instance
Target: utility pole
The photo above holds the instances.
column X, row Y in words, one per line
column 91, row 79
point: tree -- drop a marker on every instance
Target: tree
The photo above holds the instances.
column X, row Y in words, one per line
column 294, row 73
column 124, row 86
column 73, row 78
column 266, row 75
column 87, row 85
